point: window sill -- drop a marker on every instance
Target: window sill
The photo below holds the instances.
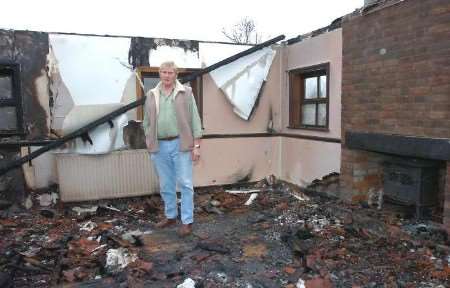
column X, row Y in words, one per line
column 322, row 129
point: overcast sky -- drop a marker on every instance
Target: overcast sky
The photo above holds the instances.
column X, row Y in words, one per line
column 194, row 19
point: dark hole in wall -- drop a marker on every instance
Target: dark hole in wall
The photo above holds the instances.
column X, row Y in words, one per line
column 410, row 181
column 5, row 85
column 10, row 100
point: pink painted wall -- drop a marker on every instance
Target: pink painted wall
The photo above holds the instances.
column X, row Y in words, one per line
column 228, row 160
column 218, row 115
column 299, row 161
column 320, row 49
column 305, row 160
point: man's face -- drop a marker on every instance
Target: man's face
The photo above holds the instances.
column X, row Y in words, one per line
column 167, row 76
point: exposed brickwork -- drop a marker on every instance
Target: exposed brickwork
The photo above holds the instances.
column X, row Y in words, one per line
column 447, row 201
column 405, row 90
column 395, row 80
column 360, row 172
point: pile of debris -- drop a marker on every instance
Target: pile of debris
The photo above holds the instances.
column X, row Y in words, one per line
column 269, row 234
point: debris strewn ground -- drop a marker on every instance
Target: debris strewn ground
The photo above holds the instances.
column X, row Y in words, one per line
column 270, row 235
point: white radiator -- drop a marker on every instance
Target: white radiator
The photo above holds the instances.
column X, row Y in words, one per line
column 113, row 175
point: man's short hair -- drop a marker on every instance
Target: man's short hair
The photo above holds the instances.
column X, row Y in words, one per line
column 170, row 65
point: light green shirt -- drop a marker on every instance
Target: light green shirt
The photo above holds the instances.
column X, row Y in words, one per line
column 167, row 119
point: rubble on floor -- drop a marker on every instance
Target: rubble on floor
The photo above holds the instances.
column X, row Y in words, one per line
column 246, row 236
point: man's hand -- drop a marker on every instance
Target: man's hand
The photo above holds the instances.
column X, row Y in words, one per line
column 195, row 154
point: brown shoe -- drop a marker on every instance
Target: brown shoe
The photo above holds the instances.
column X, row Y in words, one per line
column 185, row 230
column 166, row 223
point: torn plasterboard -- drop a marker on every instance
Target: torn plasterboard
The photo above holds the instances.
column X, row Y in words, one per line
column 241, row 80
column 104, row 137
column 92, row 67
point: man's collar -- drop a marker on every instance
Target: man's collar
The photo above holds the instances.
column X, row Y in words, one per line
column 178, row 87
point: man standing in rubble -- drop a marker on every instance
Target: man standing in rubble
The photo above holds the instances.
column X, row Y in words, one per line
column 172, row 129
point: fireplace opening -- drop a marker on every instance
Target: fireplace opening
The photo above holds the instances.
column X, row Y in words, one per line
column 412, row 182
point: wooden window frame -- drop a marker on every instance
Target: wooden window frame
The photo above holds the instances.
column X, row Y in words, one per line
column 297, row 96
column 13, row 70
column 143, row 71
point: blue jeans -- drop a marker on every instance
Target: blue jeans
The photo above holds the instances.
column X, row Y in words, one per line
column 174, row 166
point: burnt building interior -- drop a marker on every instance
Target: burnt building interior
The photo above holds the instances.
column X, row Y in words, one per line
column 382, row 219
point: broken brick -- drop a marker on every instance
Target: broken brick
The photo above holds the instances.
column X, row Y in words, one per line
column 319, row 282
column 289, row 270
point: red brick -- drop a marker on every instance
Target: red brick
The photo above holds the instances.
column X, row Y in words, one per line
column 400, row 92
column 319, row 282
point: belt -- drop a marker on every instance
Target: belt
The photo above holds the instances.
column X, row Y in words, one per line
column 168, row 138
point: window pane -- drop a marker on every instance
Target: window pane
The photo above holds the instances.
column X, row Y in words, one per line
column 150, row 83
column 322, row 115
column 323, row 86
column 309, row 114
column 5, row 87
column 310, row 88
column 9, row 118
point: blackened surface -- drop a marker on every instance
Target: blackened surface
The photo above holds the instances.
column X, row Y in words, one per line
column 187, row 45
column 140, row 48
column 14, row 126
column 12, row 183
column 139, row 51
column 409, row 183
column 6, row 45
column 31, row 49
column 242, row 176
column 133, row 135
column 428, row 148
column 6, row 51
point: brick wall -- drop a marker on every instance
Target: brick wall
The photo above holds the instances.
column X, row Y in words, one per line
column 396, row 70
column 446, row 214
column 360, row 172
column 395, row 80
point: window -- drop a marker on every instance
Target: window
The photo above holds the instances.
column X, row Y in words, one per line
column 309, row 97
column 150, row 78
column 10, row 100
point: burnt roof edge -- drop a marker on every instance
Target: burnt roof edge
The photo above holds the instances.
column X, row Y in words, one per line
column 124, row 36
column 335, row 24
